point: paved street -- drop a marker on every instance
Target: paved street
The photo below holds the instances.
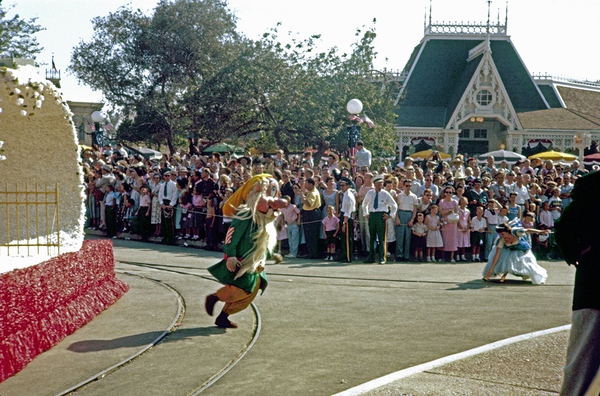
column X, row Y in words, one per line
column 320, row 328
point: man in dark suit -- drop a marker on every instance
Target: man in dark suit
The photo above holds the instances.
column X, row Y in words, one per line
column 579, row 241
column 287, row 188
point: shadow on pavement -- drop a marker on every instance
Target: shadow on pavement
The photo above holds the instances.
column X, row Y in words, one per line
column 142, row 339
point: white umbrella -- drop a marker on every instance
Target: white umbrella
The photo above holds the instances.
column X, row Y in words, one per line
column 501, row 155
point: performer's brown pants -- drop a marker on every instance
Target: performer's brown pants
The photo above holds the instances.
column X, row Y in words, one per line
column 236, row 299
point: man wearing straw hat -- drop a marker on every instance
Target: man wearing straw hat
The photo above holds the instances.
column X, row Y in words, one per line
column 378, row 206
column 311, row 217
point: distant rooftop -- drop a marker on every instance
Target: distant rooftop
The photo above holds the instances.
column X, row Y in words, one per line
column 461, row 28
column 547, row 78
column 467, row 28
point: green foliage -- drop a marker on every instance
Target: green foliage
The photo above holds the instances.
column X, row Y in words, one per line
column 145, row 62
column 307, row 104
column 184, row 71
column 17, row 36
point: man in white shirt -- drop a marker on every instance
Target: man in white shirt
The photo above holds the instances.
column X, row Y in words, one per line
column 121, row 150
column 101, row 183
column 428, row 184
column 364, row 228
column 378, row 206
column 407, row 210
column 510, row 180
column 362, row 156
column 347, row 209
column 490, row 167
column 416, row 184
column 167, row 196
column 522, row 192
column 565, row 190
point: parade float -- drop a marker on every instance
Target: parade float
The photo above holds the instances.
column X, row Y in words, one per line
column 52, row 282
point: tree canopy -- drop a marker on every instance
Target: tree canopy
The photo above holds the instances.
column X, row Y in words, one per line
column 17, row 36
column 185, row 71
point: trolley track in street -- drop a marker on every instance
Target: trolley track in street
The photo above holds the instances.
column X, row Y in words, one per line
column 169, row 331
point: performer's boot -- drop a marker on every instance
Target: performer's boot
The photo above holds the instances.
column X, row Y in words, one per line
column 210, row 302
column 223, row 322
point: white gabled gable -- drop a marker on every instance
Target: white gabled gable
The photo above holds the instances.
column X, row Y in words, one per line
column 485, row 77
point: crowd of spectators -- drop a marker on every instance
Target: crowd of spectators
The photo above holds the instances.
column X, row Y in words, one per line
column 453, row 206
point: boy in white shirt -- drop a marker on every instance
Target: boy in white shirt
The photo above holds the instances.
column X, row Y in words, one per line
column 479, row 230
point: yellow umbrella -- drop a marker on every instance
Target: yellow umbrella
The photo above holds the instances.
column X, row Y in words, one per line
column 421, row 155
column 554, row 156
column 85, row 147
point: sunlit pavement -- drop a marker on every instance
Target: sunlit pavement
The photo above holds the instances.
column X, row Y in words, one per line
column 324, row 328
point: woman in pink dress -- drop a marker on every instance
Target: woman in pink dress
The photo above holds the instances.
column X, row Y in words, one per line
column 449, row 229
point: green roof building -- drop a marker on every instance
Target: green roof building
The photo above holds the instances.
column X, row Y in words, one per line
column 466, row 90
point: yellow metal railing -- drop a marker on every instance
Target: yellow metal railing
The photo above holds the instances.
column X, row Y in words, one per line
column 32, row 220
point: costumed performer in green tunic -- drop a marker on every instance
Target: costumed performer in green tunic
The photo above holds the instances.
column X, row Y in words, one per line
column 250, row 240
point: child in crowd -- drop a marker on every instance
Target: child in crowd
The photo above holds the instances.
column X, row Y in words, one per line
column 143, row 213
column 555, row 204
column 464, row 225
column 503, row 214
column 226, row 222
column 331, row 227
column 434, row 236
column 282, row 234
column 128, row 213
column 478, row 232
column 198, row 203
column 291, row 217
column 528, row 222
column 546, row 217
column 419, row 236
column 533, row 208
column 211, row 242
column 110, row 202
column 186, row 221
column 120, row 208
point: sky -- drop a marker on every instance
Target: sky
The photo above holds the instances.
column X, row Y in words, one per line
column 551, row 36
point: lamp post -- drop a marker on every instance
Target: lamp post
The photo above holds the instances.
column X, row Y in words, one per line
column 581, row 141
column 354, row 107
column 97, row 138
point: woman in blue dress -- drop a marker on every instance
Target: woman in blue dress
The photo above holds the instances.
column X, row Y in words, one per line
column 511, row 254
column 514, row 210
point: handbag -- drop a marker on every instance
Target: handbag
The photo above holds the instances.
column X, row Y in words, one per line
column 98, row 194
column 453, row 217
